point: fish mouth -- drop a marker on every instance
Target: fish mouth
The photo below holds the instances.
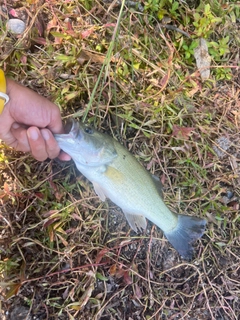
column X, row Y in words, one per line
column 72, row 129
column 69, row 126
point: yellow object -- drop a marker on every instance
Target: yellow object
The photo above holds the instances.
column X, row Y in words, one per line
column 3, row 96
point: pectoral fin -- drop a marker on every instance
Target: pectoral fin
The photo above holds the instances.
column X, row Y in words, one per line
column 99, row 191
column 136, row 222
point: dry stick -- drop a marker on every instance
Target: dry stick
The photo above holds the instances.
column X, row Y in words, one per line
column 155, row 314
column 77, row 269
column 211, row 285
column 149, row 282
column 111, row 298
column 173, row 268
column 148, row 265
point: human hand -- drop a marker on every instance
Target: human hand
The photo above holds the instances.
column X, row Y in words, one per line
column 28, row 122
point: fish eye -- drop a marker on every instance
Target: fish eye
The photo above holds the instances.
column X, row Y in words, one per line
column 88, row 130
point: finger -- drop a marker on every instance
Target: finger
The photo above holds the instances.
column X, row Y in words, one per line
column 19, row 139
column 52, row 147
column 55, row 124
column 64, row 156
column 37, row 144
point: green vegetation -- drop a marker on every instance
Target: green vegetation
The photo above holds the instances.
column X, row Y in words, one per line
column 66, row 255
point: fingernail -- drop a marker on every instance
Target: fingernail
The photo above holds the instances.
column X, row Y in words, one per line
column 15, row 125
column 33, row 133
column 45, row 134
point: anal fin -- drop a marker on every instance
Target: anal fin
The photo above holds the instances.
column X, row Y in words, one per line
column 136, row 222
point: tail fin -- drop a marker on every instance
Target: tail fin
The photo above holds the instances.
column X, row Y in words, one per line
column 186, row 232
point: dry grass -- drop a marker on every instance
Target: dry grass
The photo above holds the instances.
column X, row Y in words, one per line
column 66, row 255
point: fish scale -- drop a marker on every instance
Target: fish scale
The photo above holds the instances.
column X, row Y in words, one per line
column 134, row 191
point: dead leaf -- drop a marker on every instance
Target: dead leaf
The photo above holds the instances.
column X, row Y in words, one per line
column 40, row 40
column 196, row 87
column 39, row 24
column 50, row 222
column 6, row 187
column 23, row 59
column 52, row 24
column 50, row 213
column 164, row 80
column 126, row 277
column 203, row 59
column 138, row 292
column 107, row 25
column 58, row 195
column 64, row 242
column 100, row 255
column 69, row 26
column 182, row 132
column 94, row 57
column 112, row 270
column 87, row 33
column 12, row 290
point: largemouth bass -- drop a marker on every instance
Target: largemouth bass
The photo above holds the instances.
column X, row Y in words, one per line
column 116, row 174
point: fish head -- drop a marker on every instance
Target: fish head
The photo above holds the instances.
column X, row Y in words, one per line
column 86, row 145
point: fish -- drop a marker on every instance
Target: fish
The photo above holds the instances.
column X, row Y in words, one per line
column 117, row 175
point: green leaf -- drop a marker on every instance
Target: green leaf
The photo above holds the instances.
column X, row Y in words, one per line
column 101, row 277
column 207, row 9
column 175, row 6
column 59, row 35
column 72, row 95
column 64, row 58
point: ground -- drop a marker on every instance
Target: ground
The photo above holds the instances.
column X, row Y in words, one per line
column 64, row 254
